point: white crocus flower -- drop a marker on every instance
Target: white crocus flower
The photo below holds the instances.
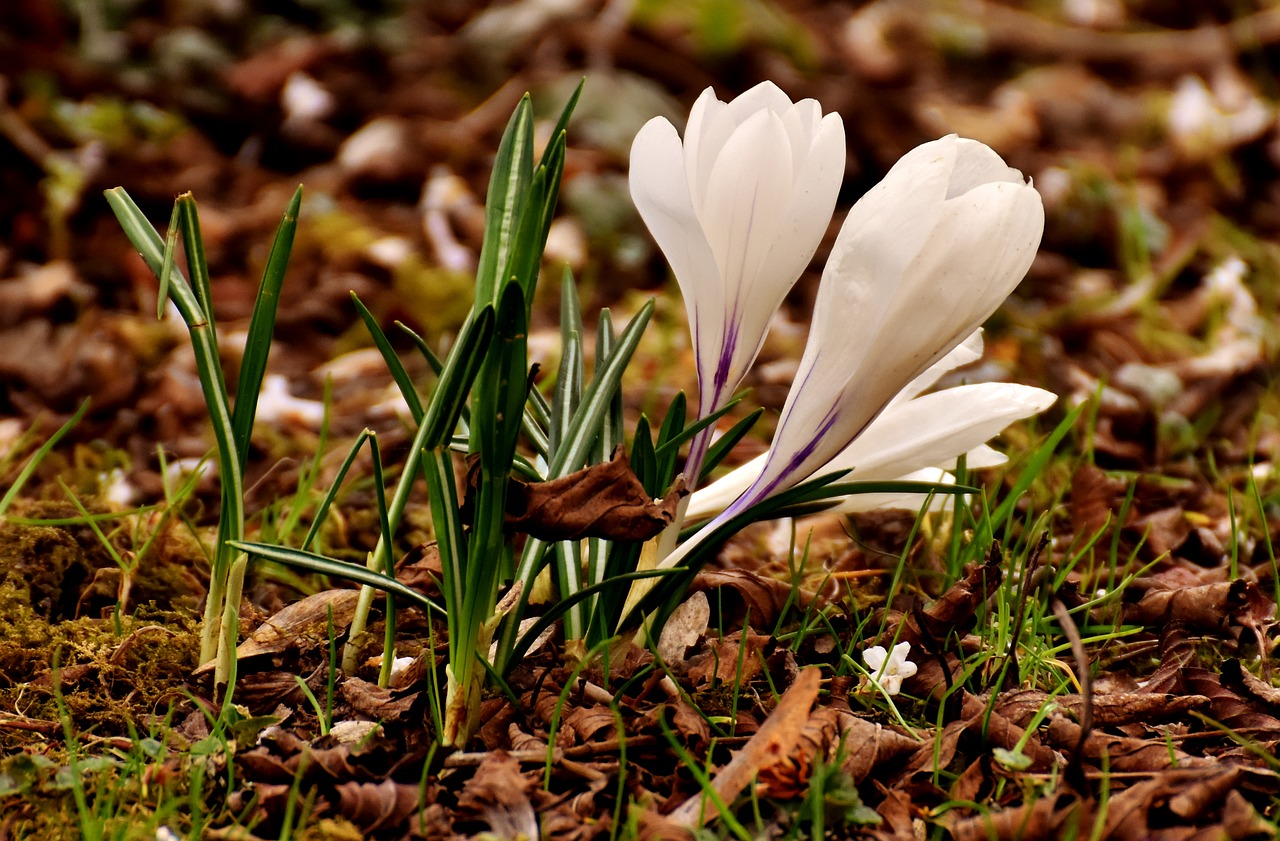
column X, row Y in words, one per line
column 888, row 670
column 738, row 209
column 921, row 261
column 915, row 438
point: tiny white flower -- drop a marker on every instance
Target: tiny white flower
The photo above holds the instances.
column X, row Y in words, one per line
column 887, row 669
column 1205, row 121
column 115, row 488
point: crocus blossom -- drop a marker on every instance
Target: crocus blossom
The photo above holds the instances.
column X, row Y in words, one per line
column 921, row 261
column 738, row 208
column 889, row 669
column 915, row 438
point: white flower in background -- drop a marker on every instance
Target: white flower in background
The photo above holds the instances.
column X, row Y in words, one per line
column 889, row 670
column 921, row 261
column 1205, row 121
column 738, row 208
column 916, row 438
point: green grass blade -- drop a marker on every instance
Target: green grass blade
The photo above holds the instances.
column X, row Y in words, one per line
column 197, row 266
column 433, row 361
column 388, row 562
column 257, row 346
column 565, row 604
column 323, row 510
column 166, row 266
column 568, row 390
column 1034, row 467
column 666, row 450
column 562, row 124
column 726, row 442
column 39, row 456
column 357, row 573
column 597, row 399
column 460, row 370
column 403, row 381
column 150, row 247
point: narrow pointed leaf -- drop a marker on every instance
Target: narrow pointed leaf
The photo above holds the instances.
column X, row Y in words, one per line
column 356, row 573
column 257, row 347
column 403, row 381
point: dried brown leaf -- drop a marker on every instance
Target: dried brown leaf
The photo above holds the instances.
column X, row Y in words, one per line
column 498, row 795
column 1124, row 753
column 380, row 805
column 379, row 702
column 727, row 661
column 763, row 598
column 771, row 744
column 1109, row 709
column 302, row 625
column 869, row 746
column 604, row 500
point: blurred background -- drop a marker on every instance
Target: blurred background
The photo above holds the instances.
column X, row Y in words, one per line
column 1149, row 127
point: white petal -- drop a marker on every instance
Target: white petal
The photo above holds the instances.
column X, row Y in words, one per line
column 982, row 456
column 765, row 96
column 660, row 191
column 970, row 350
column 747, row 194
column 874, row 657
column 977, row 164
column 714, row 498
column 935, row 429
column 710, row 125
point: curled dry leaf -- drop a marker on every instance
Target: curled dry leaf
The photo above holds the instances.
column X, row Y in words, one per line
column 953, row 614
column 772, row 743
column 374, row 806
column 1124, row 753
column 1209, row 607
column 868, row 745
column 379, row 702
column 300, row 626
column 763, row 598
column 735, row 659
column 498, row 795
column 604, row 500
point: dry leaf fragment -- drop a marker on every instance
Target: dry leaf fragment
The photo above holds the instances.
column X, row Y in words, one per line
column 302, row 625
column 763, row 598
column 1236, row 677
column 374, row 806
column 868, row 745
column 771, row 744
column 1124, row 753
column 604, row 500
column 498, row 795
column 954, row 612
column 1109, row 709
column 686, row 626
column 380, row 702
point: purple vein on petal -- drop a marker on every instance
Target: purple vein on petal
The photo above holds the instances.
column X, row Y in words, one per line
column 759, row 492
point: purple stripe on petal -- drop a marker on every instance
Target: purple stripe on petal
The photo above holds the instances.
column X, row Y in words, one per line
column 725, row 360
column 758, row 492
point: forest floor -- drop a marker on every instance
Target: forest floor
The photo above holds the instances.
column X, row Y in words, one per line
column 1104, row 669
